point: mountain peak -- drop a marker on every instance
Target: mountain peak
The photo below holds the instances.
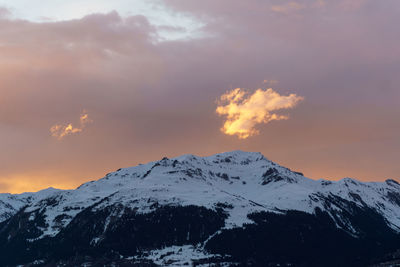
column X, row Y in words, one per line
column 234, row 186
column 237, row 155
column 244, row 180
column 393, row 182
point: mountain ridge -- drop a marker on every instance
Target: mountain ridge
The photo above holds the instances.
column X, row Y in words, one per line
column 236, row 190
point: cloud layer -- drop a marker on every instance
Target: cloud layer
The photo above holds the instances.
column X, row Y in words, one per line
column 244, row 111
column 151, row 99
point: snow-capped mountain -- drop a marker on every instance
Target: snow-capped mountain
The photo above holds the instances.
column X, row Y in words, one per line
column 230, row 208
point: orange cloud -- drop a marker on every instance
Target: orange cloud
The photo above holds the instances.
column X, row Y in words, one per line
column 271, row 82
column 60, row 131
column 244, row 111
column 287, row 8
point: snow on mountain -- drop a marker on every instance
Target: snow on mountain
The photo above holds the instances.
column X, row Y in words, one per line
column 11, row 203
column 240, row 182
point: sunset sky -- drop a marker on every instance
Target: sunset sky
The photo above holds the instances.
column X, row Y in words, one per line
column 87, row 87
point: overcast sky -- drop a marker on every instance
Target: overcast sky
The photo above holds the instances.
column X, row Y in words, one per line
column 87, row 87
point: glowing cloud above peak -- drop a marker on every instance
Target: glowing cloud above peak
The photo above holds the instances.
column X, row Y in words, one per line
column 244, row 111
column 61, row 130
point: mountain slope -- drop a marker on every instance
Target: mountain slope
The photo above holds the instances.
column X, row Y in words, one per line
column 229, row 207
